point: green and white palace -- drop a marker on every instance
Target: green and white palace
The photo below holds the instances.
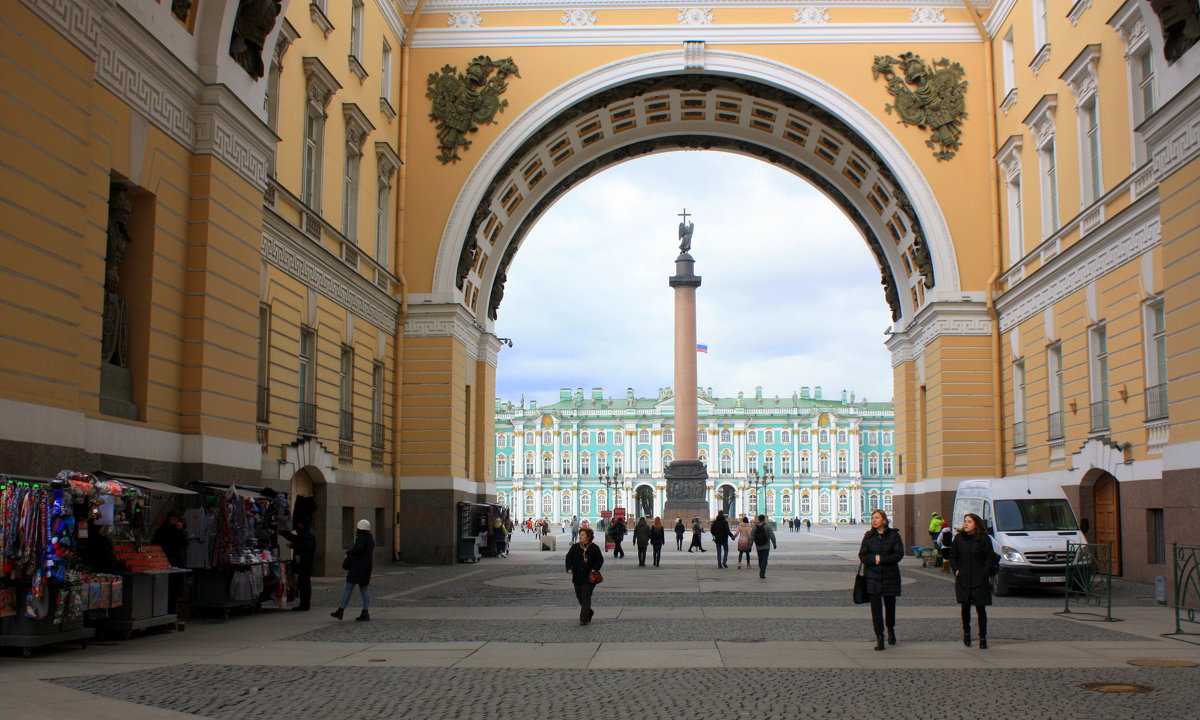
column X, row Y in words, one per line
column 828, row 460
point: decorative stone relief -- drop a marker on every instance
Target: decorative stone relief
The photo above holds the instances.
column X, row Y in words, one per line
column 463, row 102
column 693, row 54
column 927, row 16
column 695, row 16
column 254, row 22
column 934, row 102
column 811, row 16
column 579, row 17
column 1040, row 120
column 1077, row 10
column 1009, row 158
column 464, row 20
column 1080, row 75
column 114, row 341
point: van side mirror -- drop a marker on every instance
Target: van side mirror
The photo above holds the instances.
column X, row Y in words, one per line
column 1084, row 526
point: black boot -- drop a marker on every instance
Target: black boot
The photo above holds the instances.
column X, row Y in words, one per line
column 337, row 614
column 891, row 636
column 363, row 617
column 967, row 637
column 983, row 642
column 879, row 643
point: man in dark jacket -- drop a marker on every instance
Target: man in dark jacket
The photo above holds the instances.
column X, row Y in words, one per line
column 720, row 537
column 617, row 533
column 763, row 537
column 304, row 549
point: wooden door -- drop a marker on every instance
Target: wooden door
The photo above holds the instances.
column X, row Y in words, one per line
column 1107, row 501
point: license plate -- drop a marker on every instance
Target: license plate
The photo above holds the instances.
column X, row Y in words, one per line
column 1053, row 578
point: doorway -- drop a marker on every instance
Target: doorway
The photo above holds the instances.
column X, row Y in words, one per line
column 728, row 500
column 644, row 501
column 1106, row 499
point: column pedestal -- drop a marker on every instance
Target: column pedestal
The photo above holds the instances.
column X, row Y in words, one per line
column 686, row 480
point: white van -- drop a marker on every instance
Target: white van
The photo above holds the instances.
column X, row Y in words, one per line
column 1030, row 521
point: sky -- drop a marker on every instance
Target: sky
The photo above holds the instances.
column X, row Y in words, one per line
column 790, row 293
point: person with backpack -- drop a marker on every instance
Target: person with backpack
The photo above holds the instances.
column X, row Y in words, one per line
column 764, row 540
column 744, row 542
column 679, row 529
column 720, row 537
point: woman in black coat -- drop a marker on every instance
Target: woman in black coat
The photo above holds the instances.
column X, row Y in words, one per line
column 880, row 552
column 358, row 565
column 697, row 533
column 583, row 557
column 973, row 562
column 679, row 530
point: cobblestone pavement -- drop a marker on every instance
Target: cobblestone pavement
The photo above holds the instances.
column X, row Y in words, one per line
column 436, row 694
column 659, row 630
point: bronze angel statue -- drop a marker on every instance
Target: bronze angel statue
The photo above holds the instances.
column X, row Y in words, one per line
column 463, row 102
column 930, row 97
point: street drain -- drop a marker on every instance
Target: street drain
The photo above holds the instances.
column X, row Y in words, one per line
column 1117, row 687
column 1159, row 662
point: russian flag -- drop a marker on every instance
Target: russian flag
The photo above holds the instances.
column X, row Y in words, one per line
column 702, row 349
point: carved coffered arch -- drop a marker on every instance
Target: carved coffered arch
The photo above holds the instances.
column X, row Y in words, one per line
column 652, row 104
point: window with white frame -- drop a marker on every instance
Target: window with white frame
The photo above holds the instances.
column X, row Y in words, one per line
column 668, row 436
column 585, row 503
column 566, row 437
column 350, row 193
column 823, row 437
column 667, row 458
column 1049, row 163
column 726, row 435
column 702, row 435
column 873, row 464
column 726, row 463
column 769, row 437
column 1092, row 183
column 529, row 438
column 565, row 508
column 1055, row 397
column 887, row 464
column 585, row 437
column 753, row 502
column 547, row 504
column 547, row 464
column 643, row 436
column 805, row 465
column 501, row 466
column 873, row 437
column 501, row 498
column 752, row 437
column 385, row 75
column 1008, row 62
column 842, row 437
column 785, row 506
column 805, row 504
column 843, row 463
column 873, row 501
column 601, row 437
column 314, row 143
column 617, row 463
column 643, row 463
column 1156, row 359
column 824, row 502
column 752, row 461
column 887, row 437
column 565, row 463
column 356, row 29
column 1040, row 24
column 1098, row 375
column 501, row 440
column 602, row 499
column 1016, row 217
column 529, row 464
column 1019, row 403
column 547, row 438
column 805, row 438
column 704, row 458
column 785, row 437
column 1144, row 95
column 785, row 464
column 843, row 503
column 602, row 467
column 585, row 464
column 769, row 462
column 770, row 503
column 823, row 463
column 887, row 501
column 529, row 507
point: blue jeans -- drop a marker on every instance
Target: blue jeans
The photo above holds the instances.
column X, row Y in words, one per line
column 762, row 560
column 747, row 554
column 657, row 553
column 722, row 553
column 362, row 589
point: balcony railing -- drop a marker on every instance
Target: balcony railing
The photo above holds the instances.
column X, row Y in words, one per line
column 1099, row 415
column 377, row 435
column 1019, row 434
column 263, row 404
column 308, row 418
column 1056, row 425
column 345, row 425
column 1156, row 402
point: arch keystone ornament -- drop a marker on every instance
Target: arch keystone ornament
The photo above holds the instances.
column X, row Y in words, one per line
column 464, row 101
column 935, row 102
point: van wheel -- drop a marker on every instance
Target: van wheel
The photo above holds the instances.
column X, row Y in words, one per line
column 1000, row 586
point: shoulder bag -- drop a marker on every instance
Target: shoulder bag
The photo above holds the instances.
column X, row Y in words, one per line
column 860, row 587
column 594, row 577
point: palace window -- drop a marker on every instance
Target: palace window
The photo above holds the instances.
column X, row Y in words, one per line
column 824, row 502
column 667, row 458
column 753, row 501
column 566, row 437
column 501, row 466
column 565, row 508
column 617, row 457
column 843, row 503
column 770, row 502
column 842, row 436
column 887, row 464
column 529, row 507
column 785, row 437
column 566, row 463
column 346, row 395
column 823, row 437
column 843, row 463
column 547, row 464
column 786, row 504
column 769, row 437
column 726, row 435
column 726, row 463
column 501, row 498
column 529, row 471
column 547, row 504
column 643, row 436
column 668, row 436
column 643, row 463
column 805, row 465
column 356, row 29
column 1156, row 360
column 602, row 463
column 873, row 437
column 887, row 501
column 385, row 75
column 805, row 504
column 805, row 438
column 547, row 438
column 314, row 142
column 585, row 503
column 887, row 437
column 501, row 440
column 702, row 435
column 752, row 461
column 823, row 462
column 1049, row 162
column 1008, row 61
column 769, row 463
column 1092, row 182
column 1098, row 376
column 1019, row 403
column 873, row 464
column 1016, row 218
column 704, row 458
column 601, row 437
column 752, row 437
column 585, row 464
column 873, row 501
column 1054, row 371
column 785, row 464
column 529, row 438
column 602, row 499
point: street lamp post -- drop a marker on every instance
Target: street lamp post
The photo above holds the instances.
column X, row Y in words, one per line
column 760, row 482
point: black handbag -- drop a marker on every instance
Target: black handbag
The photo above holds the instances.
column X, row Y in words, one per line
column 347, row 563
column 860, row 587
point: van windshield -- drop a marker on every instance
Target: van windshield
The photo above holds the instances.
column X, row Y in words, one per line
column 1030, row 515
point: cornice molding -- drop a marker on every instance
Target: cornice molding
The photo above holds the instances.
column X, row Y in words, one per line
column 454, row 321
column 1130, row 25
column 1173, row 132
column 551, row 36
column 1080, row 75
column 1097, row 254
column 225, row 128
column 968, row 318
column 287, row 248
column 1009, row 157
column 1077, row 10
column 392, row 17
column 1040, row 120
column 996, row 18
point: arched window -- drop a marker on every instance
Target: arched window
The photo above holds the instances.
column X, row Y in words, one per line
column 873, row 437
column 602, row 499
column 843, row 438
column 726, row 462
column 617, row 466
column 887, row 501
column 566, row 437
column 873, row 501
column 786, row 504
column 618, row 436
column 585, row 437
column 644, row 463
column 529, row 438
column 529, row 504
column 752, row 436
column 667, row 458
column 585, row 464
column 529, row 464
column 547, row 438
column 770, row 502
column 805, row 504
column 785, row 464
column 565, row 510
column 702, row 435
column 547, row 464
column 601, row 437
column 887, row 464
column 501, row 498
column 769, row 462
column 823, row 464
column 501, row 466
column 887, row 437
column 501, row 440
column 669, row 436
column 566, row 463
column 843, row 503
column 823, row 437
column 753, row 501
column 873, row 465
column 843, row 463
column 805, row 464
column 785, row 437
column 769, row 437
column 547, row 504
column 824, row 502
column 643, row 436
column 585, row 503
column 726, row 436
column 752, row 461
column 805, row 437
column 704, row 458
column 602, row 467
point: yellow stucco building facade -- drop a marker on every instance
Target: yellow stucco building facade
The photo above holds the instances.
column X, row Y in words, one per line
column 265, row 242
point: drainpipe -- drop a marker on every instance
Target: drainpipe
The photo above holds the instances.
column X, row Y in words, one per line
column 997, row 259
column 398, row 262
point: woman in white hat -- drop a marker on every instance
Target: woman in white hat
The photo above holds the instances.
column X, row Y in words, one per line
column 358, row 570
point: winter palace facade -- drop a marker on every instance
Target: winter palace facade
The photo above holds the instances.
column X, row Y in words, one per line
column 828, row 460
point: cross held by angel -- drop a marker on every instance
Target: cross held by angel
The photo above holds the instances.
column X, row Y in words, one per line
column 685, row 232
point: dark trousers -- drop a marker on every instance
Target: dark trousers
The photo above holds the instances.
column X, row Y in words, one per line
column 879, row 605
column 304, row 589
column 583, row 593
column 763, row 554
column 722, row 553
column 747, row 554
column 980, row 615
column 641, row 554
column 617, row 551
column 657, row 553
column 678, row 542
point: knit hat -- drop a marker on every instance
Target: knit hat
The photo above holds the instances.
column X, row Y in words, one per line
column 934, row 514
column 364, row 524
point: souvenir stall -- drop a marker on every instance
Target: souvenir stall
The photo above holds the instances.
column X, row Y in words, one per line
column 46, row 585
column 233, row 549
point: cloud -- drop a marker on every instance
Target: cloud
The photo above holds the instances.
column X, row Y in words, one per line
column 790, row 293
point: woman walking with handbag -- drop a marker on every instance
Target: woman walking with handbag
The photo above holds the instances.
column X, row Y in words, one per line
column 358, row 565
column 973, row 562
column 584, row 561
column 880, row 553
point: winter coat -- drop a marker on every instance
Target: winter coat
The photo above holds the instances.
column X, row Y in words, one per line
column 973, row 562
column 641, row 534
column 363, row 554
column 720, row 530
column 770, row 536
column 743, row 536
column 580, row 562
column 657, row 536
column 884, row 578
column 697, row 533
column 679, row 528
column 304, row 548
column 617, row 531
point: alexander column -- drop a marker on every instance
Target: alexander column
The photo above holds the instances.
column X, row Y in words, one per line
column 686, row 476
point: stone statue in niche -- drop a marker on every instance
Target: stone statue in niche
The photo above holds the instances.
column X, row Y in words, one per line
column 254, row 22
column 114, row 341
column 934, row 102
